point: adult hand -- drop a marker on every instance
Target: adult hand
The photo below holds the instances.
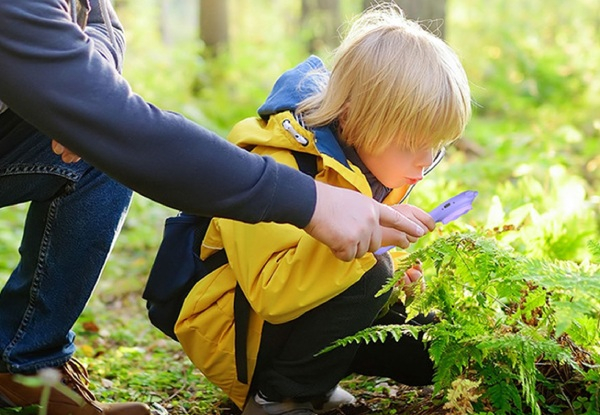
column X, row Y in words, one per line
column 416, row 215
column 352, row 224
column 65, row 154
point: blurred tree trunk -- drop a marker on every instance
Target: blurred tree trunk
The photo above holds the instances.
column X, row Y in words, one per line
column 214, row 28
column 430, row 13
column 165, row 33
column 322, row 19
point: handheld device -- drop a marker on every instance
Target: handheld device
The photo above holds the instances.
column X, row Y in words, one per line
column 454, row 207
column 447, row 211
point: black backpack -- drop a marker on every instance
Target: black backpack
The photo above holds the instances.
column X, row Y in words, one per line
column 178, row 267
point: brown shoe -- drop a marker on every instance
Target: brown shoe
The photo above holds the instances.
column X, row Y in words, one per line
column 71, row 377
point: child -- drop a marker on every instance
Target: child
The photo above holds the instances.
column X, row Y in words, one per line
column 395, row 96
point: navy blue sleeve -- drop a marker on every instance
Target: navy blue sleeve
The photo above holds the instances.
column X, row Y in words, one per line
column 54, row 77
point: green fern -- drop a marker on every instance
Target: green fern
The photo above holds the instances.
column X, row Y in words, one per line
column 514, row 325
column 375, row 334
column 503, row 394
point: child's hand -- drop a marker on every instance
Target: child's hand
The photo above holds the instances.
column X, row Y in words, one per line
column 412, row 276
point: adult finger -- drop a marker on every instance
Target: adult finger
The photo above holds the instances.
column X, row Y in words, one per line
column 394, row 237
column 70, row 157
column 57, row 148
column 390, row 218
column 65, row 154
column 416, row 214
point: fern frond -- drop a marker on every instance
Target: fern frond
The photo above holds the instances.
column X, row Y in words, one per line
column 401, row 266
column 378, row 333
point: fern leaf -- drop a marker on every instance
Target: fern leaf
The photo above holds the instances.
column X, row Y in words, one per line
column 377, row 333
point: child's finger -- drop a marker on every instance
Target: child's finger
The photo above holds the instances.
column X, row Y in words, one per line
column 417, row 267
column 413, row 274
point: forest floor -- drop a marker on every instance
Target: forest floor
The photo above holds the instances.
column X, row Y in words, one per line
column 381, row 397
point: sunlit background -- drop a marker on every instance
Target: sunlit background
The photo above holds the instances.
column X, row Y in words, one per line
column 532, row 149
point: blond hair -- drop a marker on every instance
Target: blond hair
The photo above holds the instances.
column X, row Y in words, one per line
column 392, row 79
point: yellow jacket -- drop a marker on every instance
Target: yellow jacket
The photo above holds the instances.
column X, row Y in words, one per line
column 282, row 270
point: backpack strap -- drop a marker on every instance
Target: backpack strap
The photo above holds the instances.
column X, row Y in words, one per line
column 307, row 163
column 216, row 260
column 241, row 314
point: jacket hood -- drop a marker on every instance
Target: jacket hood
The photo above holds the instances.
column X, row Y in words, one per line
column 292, row 87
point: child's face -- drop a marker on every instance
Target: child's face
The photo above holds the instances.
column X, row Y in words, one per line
column 396, row 167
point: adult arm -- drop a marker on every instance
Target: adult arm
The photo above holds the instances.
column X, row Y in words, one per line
column 57, row 78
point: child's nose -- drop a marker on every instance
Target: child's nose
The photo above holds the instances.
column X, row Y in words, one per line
column 416, row 174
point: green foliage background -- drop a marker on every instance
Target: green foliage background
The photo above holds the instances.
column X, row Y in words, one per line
column 532, row 150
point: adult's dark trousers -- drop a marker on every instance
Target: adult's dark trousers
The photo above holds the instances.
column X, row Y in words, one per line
column 288, row 366
column 74, row 214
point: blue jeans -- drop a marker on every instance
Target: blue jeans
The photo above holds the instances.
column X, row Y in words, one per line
column 75, row 214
